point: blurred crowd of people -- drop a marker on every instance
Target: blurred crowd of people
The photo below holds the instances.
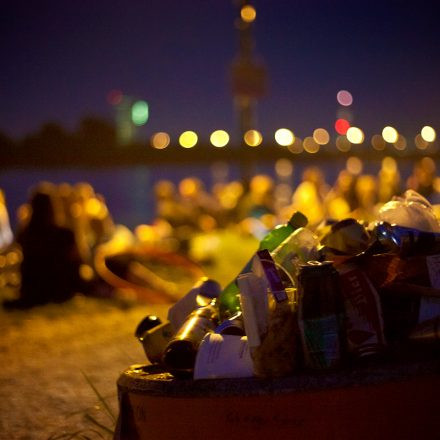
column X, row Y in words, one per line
column 58, row 230
column 263, row 202
column 61, row 226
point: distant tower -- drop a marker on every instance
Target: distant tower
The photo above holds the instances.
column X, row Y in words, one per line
column 248, row 74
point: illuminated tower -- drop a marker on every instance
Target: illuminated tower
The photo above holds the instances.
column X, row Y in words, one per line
column 248, row 73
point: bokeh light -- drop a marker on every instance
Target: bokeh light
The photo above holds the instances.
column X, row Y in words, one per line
column 189, row 186
column 310, row 145
column 139, row 113
column 321, row 136
column 253, row 138
column 344, row 98
column 284, row 167
column 389, row 164
column 428, row 133
column 248, row 13
column 343, row 144
column 400, row 144
column 354, row 165
column 93, row 207
column 145, row 233
column 390, row 134
column 188, row 139
column 341, row 126
column 160, row 140
column 421, row 144
column 86, row 272
column 355, row 135
column 284, row 137
column 297, row 146
column 428, row 164
column 219, row 138
column 378, row 143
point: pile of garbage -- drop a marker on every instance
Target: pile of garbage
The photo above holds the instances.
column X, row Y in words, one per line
column 345, row 292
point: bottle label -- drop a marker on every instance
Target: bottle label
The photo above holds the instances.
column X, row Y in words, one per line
column 265, row 266
column 364, row 325
column 321, row 343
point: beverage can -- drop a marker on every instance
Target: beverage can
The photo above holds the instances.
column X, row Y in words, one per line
column 320, row 315
column 364, row 321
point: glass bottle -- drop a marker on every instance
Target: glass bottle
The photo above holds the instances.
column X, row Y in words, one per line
column 154, row 336
column 180, row 354
column 229, row 299
column 299, row 247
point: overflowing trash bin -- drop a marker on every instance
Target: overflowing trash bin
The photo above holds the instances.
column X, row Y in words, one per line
column 326, row 332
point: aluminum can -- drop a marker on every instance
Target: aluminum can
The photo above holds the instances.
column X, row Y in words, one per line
column 320, row 315
column 364, row 322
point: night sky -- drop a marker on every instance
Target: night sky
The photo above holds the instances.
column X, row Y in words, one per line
column 61, row 58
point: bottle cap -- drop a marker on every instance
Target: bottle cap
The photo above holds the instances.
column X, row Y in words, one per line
column 298, row 220
column 149, row 322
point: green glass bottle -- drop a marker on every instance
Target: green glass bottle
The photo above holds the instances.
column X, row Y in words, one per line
column 229, row 299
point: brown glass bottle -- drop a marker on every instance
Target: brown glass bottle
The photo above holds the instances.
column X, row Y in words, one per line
column 180, row 354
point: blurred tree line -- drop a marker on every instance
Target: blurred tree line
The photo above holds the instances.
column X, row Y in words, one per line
column 93, row 142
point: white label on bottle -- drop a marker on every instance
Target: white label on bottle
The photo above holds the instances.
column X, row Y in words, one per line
column 223, row 356
column 430, row 307
column 254, row 304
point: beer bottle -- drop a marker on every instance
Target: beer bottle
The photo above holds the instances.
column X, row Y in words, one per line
column 154, row 336
column 277, row 235
column 180, row 354
column 229, row 299
column 299, row 247
column 201, row 294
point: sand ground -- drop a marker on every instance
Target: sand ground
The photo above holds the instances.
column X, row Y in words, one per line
column 45, row 353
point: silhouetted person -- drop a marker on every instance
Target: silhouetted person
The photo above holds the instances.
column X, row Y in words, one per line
column 51, row 261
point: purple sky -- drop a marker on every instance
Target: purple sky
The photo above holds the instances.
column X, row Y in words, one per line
column 61, row 58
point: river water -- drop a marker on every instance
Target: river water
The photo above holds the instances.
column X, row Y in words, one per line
column 129, row 190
